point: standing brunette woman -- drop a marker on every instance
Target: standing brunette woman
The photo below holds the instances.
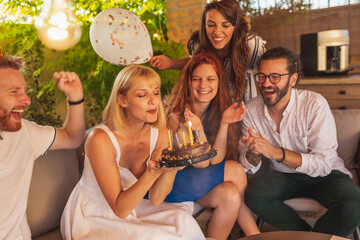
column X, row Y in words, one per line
column 224, row 31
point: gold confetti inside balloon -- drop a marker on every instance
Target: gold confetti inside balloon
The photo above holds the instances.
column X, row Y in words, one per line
column 120, row 37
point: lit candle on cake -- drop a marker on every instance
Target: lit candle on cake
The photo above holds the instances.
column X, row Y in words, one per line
column 190, row 134
column 177, row 140
column 198, row 136
column 184, row 138
column 170, row 141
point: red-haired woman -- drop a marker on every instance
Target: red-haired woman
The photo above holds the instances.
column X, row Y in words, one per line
column 202, row 97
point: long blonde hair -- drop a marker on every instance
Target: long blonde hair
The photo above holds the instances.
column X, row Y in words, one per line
column 114, row 114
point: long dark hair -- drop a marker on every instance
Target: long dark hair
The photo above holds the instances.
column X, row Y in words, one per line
column 239, row 49
column 182, row 97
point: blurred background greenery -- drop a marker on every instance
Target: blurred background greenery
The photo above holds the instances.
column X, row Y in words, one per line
column 97, row 75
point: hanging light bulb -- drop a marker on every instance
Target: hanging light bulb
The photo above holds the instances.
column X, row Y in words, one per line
column 57, row 26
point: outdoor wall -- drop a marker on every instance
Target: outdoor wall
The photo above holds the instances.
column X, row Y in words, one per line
column 183, row 17
column 285, row 30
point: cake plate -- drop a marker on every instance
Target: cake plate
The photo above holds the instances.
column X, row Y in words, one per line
column 182, row 163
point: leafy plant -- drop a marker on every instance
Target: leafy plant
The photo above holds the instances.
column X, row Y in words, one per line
column 282, row 13
column 97, row 75
column 42, row 94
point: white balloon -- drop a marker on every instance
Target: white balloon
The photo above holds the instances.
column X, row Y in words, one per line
column 120, row 37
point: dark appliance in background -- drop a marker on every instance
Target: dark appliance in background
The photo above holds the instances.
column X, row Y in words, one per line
column 325, row 52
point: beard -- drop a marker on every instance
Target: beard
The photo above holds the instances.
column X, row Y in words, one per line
column 5, row 122
column 280, row 93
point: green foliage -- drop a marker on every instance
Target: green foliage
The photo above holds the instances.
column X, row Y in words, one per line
column 246, row 6
column 22, row 40
column 283, row 13
column 174, row 51
column 284, row 7
column 97, row 75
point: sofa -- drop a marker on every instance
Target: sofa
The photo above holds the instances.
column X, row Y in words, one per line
column 56, row 174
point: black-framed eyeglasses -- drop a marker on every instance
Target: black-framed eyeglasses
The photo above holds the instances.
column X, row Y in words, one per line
column 274, row 77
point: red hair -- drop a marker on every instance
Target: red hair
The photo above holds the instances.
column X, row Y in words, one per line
column 182, row 97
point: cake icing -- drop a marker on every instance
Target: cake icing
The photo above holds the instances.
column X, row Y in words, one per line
column 173, row 157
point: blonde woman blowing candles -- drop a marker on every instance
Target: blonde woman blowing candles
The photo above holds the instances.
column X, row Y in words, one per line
column 121, row 167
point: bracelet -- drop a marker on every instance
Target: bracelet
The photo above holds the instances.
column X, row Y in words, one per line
column 283, row 158
column 77, row 102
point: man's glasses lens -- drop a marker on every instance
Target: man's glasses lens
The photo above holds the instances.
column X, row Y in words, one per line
column 274, row 77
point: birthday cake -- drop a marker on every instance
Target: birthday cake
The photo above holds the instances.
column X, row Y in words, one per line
column 186, row 155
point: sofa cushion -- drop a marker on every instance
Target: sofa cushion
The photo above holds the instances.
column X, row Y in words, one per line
column 348, row 135
column 54, row 177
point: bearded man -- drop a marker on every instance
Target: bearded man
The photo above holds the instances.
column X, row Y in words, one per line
column 22, row 141
column 294, row 131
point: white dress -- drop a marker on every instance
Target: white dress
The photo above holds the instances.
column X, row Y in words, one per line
column 87, row 215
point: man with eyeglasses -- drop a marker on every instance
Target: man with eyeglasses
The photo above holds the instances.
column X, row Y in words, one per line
column 294, row 132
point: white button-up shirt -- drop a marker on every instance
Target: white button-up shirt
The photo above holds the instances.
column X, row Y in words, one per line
column 307, row 127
